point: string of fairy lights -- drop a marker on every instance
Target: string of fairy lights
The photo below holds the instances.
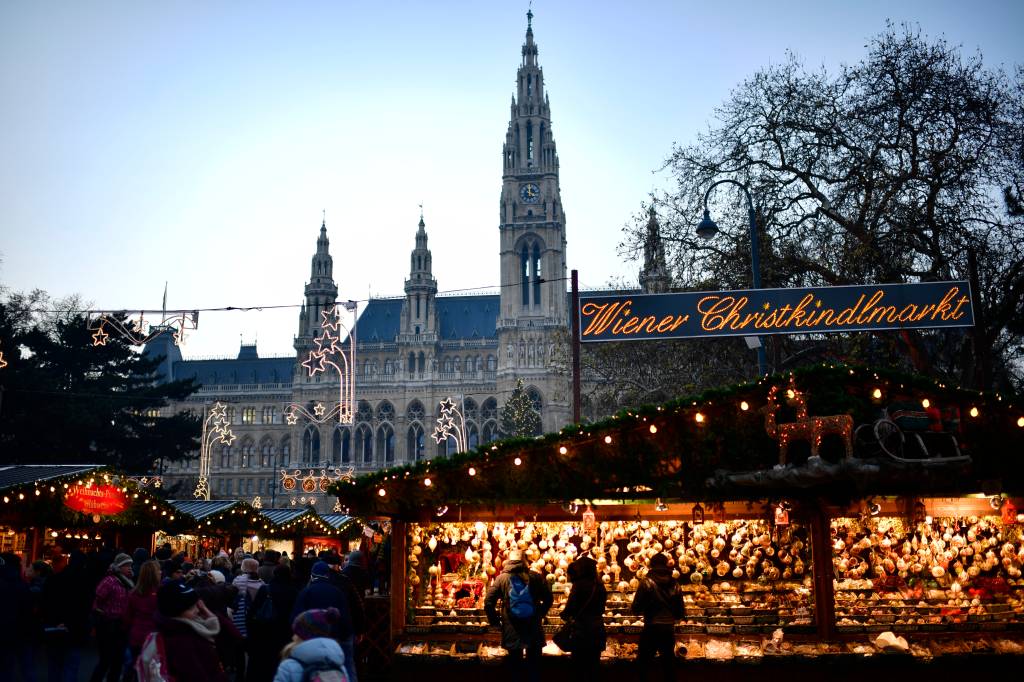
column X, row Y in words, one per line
column 492, row 459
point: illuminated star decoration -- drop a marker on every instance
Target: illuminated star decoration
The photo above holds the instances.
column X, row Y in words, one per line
column 216, row 428
column 99, row 337
column 137, row 331
column 3, row 363
column 450, row 424
column 329, row 356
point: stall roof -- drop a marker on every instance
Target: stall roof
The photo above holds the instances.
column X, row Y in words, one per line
column 279, row 517
column 337, row 521
column 200, row 509
column 13, row 475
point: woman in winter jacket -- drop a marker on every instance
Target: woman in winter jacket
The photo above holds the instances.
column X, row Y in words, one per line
column 109, row 608
column 312, row 647
column 585, row 607
column 140, row 614
column 188, row 630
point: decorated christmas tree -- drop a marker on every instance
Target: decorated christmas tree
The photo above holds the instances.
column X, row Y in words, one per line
column 518, row 418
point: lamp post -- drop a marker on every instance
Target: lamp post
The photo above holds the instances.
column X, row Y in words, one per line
column 707, row 229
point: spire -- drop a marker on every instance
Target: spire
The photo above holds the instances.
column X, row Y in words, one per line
column 529, row 47
column 654, row 277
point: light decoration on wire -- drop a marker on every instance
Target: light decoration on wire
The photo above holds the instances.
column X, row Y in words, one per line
column 257, row 502
column 137, row 330
column 3, row 363
column 451, row 424
column 329, row 355
column 146, row 481
column 314, row 483
column 216, row 429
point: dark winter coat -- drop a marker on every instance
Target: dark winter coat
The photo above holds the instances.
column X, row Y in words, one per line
column 659, row 599
column 586, row 603
column 517, row 634
column 67, row 599
column 354, row 599
column 321, row 594
column 190, row 656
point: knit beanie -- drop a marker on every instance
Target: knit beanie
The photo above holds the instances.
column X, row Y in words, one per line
column 316, row 623
column 320, row 570
column 121, row 559
column 173, row 598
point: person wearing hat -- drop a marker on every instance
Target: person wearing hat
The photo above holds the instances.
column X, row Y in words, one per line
column 519, row 590
column 189, row 631
column 108, row 610
column 312, row 647
column 660, row 601
column 322, row 594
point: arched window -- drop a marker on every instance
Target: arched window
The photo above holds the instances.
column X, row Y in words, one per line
column 412, row 363
column 490, row 431
column 341, row 451
column 364, row 444
column 266, row 453
column 415, row 444
column 524, row 268
column 225, row 457
column 420, row 362
column 415, row 411
column 286, row 451
column 248, row 450
column 457, row 364
column 446, row 366
column 385, row 412
column 472, row 435
column 386, row 443
column 535, row 400
column 492, row 363
column 470, row 410
column 311, row 447
column 536, row 274
column 489, row 410
column 364, row 412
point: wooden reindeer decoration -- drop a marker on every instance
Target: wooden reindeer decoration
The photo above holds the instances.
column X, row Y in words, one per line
column 805, row 428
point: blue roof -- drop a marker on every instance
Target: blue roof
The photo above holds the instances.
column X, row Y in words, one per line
column 230, row 371
column 459, row 317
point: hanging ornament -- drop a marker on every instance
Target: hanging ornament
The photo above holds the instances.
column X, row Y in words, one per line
column 589, row 520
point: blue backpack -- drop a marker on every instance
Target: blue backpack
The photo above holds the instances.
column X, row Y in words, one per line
column 520, row 601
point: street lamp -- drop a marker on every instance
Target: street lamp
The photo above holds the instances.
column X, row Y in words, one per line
column 707, row 229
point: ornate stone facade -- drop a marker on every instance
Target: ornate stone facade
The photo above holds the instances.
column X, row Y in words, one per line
column 411, row 352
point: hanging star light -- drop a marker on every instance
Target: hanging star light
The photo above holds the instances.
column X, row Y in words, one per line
column 216, row 428
column 450, row 424
column 257, row 502
column 99, row 337
column 137, row 331
column 331, row 355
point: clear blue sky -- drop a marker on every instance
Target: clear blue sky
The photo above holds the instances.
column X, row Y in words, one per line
column 198, row 142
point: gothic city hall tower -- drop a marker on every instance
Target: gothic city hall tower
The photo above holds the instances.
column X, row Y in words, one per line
column 533, row 318
column 414, row 349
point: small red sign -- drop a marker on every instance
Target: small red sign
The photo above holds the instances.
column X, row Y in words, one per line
column 104, row 500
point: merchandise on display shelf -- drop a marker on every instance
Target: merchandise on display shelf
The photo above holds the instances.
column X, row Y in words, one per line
column 738, row 576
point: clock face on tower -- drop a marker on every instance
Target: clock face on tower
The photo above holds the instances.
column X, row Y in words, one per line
column 529, row 193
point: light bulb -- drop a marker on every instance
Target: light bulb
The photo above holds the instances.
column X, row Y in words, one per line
column 699, row 417
column 472, row 471
column 517, row 461
column 876, row 394
column 744, row 406
column 654, row 429
column 607, row 439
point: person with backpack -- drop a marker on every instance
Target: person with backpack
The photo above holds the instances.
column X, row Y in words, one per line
column 584, row 609
column 182, row 648
column 313, row 654
column 660, row 601
column 248, row 585
column 525, row 599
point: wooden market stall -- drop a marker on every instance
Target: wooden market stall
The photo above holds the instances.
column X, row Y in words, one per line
column 803, row 516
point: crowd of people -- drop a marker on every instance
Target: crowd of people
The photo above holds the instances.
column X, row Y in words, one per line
column 263, row 617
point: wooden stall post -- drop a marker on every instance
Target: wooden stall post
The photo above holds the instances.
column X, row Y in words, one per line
column 399, row 531
column 821, row 562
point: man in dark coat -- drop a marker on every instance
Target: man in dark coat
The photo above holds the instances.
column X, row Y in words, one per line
column 519, row 634
column 660, row 601
column 321, row 594
column 585, row 607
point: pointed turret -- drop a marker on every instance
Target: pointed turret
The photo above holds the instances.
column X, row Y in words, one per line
column 654, row 278
column 418, row 312
column 320, row 293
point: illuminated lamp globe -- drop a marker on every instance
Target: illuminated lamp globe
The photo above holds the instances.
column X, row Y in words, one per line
column 699, row 417
column 472, row 471
column 1020, row 422
column 926, row 403
column 382, row 492
column 517, row 461
column 974, row 412
column 654, row 429
column 876, row 394
column 744, row 406
column 608, row 439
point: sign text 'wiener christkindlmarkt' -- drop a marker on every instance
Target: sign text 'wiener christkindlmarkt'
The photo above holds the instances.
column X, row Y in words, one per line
column 753, row 312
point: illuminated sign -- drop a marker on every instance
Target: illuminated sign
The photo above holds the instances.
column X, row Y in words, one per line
column 627, row 317
column 104, row 500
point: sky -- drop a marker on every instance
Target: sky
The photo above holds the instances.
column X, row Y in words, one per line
column 200, row 143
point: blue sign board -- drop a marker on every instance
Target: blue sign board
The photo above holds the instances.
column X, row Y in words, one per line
column 753, row 312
